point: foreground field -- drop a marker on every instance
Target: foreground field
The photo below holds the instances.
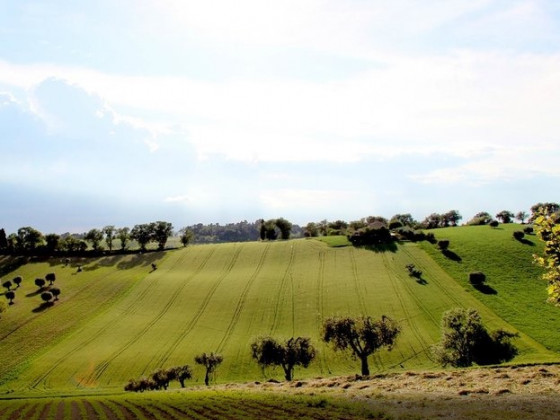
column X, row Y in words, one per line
column 528, row 392
column 119, row 319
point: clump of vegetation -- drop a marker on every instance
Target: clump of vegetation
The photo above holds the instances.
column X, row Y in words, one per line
column 466, row 341
column 10, row 295
column 40, row 283
column 160, row 379
column 413, row 271
column 17, row 281
column 528, row 230
column 443, row 244
column 210, row 362
column 494, row 224
column 361, row 336
column 376, row 233
column 518, row 235
column 481, row 218
column 268, row 351
column 547, row 225
column 477, row 278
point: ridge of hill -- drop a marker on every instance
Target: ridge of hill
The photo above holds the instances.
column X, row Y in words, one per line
column 119, row 319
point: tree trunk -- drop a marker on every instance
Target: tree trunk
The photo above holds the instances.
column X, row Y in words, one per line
column 288, row 373
column 182, row 381
column 365, row 367
column 207, row 377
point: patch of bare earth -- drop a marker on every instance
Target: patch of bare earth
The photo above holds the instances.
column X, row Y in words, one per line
column 515, row 392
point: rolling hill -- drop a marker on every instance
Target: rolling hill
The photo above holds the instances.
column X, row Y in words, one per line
column 119, row 319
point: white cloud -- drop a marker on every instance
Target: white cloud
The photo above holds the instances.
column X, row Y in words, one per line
column 283, row 199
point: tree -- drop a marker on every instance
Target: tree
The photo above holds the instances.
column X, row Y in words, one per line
column 547, row 226
column 11, row 295
column 375, row 233
column 51, row 278
column 95, row 236
column 52, row 240
column 361, row 336
column 182, row 373
column 210, row 362
column 405, row 219
column 17, row 280
column 161, row 231
column 109, row 232
column 466, row 341
column 521, row 216
column 311, row 230
column 481, row 218
column 3, row 240
column 451, row 217
column 55, row 292
column 46, row 296
column 123, row 234
column 285, row 227
column 267, row 351
column 543, row 208
column 142, row 234
column 40, row 283
column 187, row 236
column 505, row 216
column 29, row 238
column 162, row 377
column 7, row 284
column 433, row 221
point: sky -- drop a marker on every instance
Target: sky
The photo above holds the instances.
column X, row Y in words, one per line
column 121, row 112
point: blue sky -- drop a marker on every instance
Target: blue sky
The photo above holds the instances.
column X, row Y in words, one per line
column 124, row 112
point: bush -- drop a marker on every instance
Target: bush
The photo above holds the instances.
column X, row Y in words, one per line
column 431, row 238
column 466, row 341
column 477, row 278
column 528, row 230
column 413, row 271
column 443, row 244
column 518, row 235
column 494, row 224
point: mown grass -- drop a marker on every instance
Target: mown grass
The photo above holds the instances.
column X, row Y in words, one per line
column 120, row 320
column 515, row 290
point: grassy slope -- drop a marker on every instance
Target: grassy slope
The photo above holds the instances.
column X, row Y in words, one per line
column 218, row 298
column 520, row 292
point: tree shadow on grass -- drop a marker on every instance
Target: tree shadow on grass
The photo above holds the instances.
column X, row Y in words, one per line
column 379, row 248
column 451, row 255
column 421, row 280
column 13, row 265
column 525, row 241
column 484, row 288
column 43, row 306
column 36, row 292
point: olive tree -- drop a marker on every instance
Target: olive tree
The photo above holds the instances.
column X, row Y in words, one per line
column 17, row 280
column 7, row 284
column 210, row 362
column 10, row 295
column 51, row 278
column 40, row 283
column 362, row 336
column 547, row 226
column 268, row 351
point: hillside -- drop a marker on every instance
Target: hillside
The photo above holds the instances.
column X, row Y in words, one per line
column 118, row 319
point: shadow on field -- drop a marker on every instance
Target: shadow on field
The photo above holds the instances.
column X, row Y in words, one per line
column 451, row 255
column 421, row 280
column 525, row 241
column 36, row 292
column 484, row 288
column 379, row 248
column 120, row 261
column 12, row 265
column 43, row 306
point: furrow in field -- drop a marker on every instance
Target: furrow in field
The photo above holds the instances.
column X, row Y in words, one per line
column 181, row 413
column 130, row 309
column 324, row 368
column 107, row 411
column 44, row 414
column 162, row 413
column 242, row 299
column 359, row 295
column 281, row 291
column 129, row 410
column 181, row 336
column 189, row 327
column 417, row 333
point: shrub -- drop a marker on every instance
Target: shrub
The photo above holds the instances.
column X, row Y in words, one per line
column 494, row 224
column 413, row 271
column 443, row 244
column 431, row 238
column 528, row 230
column 518, row 235
column 477, row 278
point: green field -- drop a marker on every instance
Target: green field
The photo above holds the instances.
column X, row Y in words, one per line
column 118, row 319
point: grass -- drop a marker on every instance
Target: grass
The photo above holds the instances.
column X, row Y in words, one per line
column 516, row 291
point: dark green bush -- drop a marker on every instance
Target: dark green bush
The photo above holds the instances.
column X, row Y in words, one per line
column 443, row 244
column 477, row 278
column 518, row 235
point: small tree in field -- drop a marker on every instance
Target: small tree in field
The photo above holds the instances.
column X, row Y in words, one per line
column 298, row 351
column 95, row 236
column 40, row 283
column 55, row 292
column 210, row 362
column 51, row 278
column 362, row 336
column 466, row 341
column 521, row 216
column 123, row 234
column 187, row 236
column 17, row 280
column 46, row 296
column 10, row 296
column 182, row 373
column 7, row 284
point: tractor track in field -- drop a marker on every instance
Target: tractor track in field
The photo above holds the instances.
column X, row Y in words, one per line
column 321, row 304
column 102, row 367
column 174, row 345
column 242, row 299
column 194, row 320
column 356, row 277
column 278, row 306
column 127, row 311
column 414, row 328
